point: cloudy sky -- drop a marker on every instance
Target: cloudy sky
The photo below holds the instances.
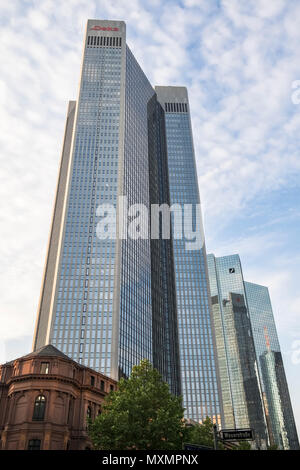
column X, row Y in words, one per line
column 240, row 60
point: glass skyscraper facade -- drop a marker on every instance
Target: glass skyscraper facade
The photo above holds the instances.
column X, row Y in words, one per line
column 109, row 303
column 240, row 384
column 262, row 318
column 97, row 296
column 281, row 417
column 195, row 326
column 279, row 413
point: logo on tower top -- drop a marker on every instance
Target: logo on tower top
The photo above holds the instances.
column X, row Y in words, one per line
column 103, row 28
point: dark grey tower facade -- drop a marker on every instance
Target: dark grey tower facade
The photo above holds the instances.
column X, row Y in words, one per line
column 99, row 295
column 165, row 330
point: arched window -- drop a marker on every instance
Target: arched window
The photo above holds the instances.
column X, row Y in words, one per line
column 89, row 412
column 39, row 408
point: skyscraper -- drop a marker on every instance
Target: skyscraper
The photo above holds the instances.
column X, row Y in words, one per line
column 109, row 302
column 240, row 384
column 280, row 418
column 200, row 387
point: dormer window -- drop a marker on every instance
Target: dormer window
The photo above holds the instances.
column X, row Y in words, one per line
column 44, row 368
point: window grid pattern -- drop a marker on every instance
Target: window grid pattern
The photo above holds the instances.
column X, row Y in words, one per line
column 280, row 410
column 82, row 326
column 262, row 319
column 197, row 362
column 104, row 41
column 176, row 107
column 164, row 310
column 271, row 368
column 242, row 400
column 135, row 342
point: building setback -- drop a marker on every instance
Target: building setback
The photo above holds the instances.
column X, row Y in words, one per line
column 278, row 407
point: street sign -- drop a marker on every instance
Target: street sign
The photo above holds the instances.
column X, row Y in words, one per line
column 237, row 434
column 195, row 447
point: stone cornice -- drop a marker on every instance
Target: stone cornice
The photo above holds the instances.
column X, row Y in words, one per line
column 53, row 378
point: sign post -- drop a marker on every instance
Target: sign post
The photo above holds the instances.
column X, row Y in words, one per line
column 215, row 437
column 237, row 435
column 225, row 435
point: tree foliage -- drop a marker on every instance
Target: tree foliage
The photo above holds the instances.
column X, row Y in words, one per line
column 244, row 445
column 140, row 414
column 201, row 434
column 273, row 447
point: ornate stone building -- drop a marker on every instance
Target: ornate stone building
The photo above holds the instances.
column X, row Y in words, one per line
column 45, row 400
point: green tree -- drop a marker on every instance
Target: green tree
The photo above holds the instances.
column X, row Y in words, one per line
column 244, row 445
column 202, row 434
column 273, row 447
column 140, row 414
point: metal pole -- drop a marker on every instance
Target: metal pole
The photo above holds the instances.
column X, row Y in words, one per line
column 215, row 437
